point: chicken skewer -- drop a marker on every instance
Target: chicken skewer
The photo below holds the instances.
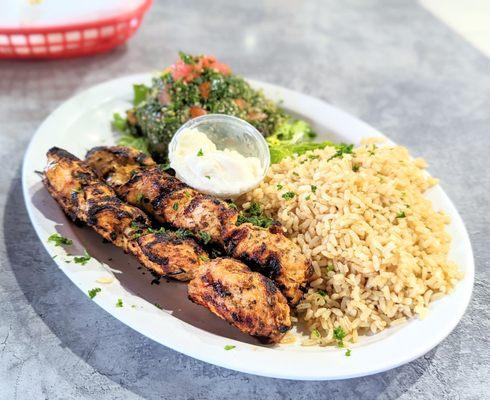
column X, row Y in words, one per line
column 139, row 181
column 84, row 197
column 245, row 299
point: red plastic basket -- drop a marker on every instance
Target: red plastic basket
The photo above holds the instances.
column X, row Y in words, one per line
column 59, row 41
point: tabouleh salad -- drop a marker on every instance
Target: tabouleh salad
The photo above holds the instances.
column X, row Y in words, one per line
column 199, row 85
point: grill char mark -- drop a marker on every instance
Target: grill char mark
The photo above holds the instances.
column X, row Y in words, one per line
column 61, row 153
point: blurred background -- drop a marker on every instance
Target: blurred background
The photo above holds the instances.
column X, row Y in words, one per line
column 418, row 71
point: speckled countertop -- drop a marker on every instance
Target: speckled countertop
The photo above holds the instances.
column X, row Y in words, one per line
column 390, row 63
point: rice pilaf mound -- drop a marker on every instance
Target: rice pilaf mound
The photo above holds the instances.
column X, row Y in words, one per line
column 379, row 249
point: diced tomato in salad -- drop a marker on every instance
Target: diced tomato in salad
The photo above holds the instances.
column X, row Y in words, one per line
column 181, row 70
column 196, row 111
column 204, row 89
column 189, row 72
column 210, row 62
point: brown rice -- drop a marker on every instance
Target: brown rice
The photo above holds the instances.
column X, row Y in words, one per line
column 379, row 249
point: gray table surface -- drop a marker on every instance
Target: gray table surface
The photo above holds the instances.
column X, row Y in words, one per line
column 390, row 63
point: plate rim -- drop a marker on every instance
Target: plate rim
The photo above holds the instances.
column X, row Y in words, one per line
column 230, row 360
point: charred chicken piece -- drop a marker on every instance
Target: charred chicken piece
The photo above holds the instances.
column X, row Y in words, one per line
column 247, row 300
column 169, row 255
column 272, row 254
column 171, row 201
column 138, row 181
column 115, row 165
column 84, row 197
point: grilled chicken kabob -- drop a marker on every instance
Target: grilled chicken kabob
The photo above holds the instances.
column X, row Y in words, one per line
column 139, row 181
column 84, row 197
column 245, row 299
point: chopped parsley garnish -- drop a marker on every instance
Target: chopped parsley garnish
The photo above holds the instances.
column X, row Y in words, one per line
column 315, row 333
column 231, row 204
column 308, row 197
column 187, row 194
column 93, row 292
column 254, row 209
column 135, row 225
column 138, row 229
column 183, row 233
column 164, row 167
column 313, row 188
column 200, row 153
column 175, row 206
column 313, row 157
column 348, row 352
column 229, row 347
column 203, row 258
column 187, row 58
column 204, row 236
column 322, row 292
column 157, row 231
column 119, row 303
column 279, row 187
column 158, row 306
column 341, row 150
column 372, row 152
column 207, row 176
column 137, row 235
column 339, row 334
column 139, row 197
column 288, row 195
column 59, row 240
column 401, row 214
column 254, row 216
column 82, row 259
column 295, row 173
column 355, row 167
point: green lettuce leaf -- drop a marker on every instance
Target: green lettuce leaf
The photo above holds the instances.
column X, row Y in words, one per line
column 283, row 150
column 291, row 132
column 140, row 94
column 137, row 142
column 119, row 123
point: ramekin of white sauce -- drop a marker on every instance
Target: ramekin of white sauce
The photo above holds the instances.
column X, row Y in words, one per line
column 219, row 155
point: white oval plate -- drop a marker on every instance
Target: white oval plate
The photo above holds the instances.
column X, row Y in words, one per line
column 84, row 121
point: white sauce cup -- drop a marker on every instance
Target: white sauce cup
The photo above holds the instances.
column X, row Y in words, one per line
column 228, row 132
